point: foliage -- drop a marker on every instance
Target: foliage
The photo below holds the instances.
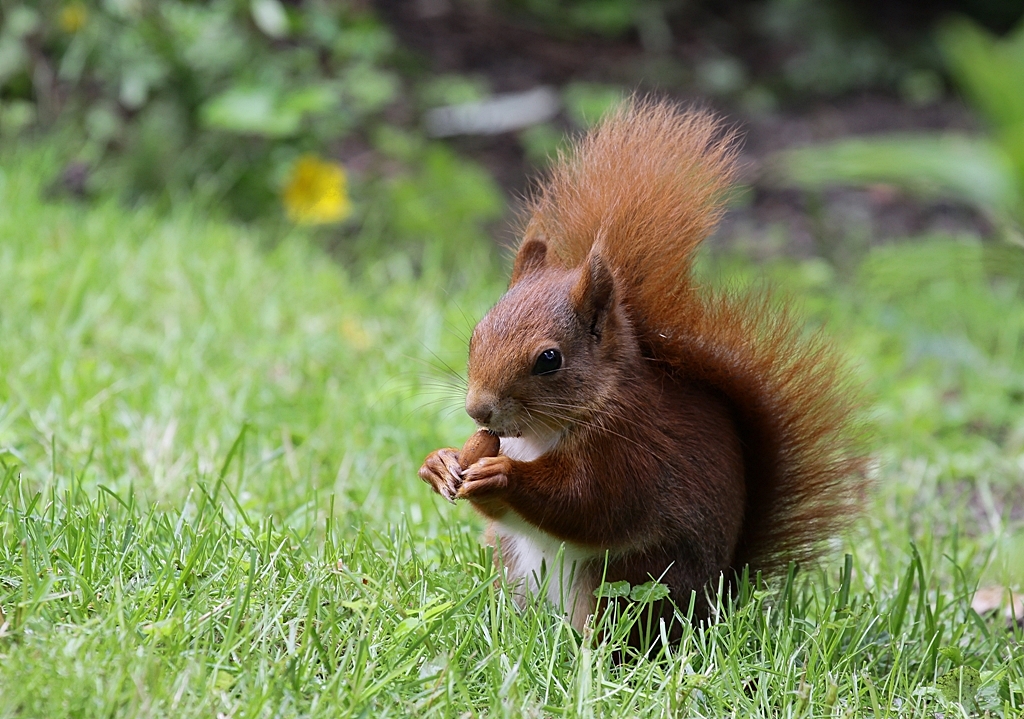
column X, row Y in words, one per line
column 818, row 47
column 831, row 50
column 987, row 173
column 991, row 74
column 602, row 17
column 220, row 100
column 209, row 502
column 584, row 104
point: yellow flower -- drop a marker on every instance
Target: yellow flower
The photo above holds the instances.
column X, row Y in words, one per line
column 72, row 17
column 316, row 192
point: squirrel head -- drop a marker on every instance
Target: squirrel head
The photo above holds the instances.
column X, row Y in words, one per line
column 553, row 348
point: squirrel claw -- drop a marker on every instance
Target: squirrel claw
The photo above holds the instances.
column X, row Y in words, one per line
column 486, row 476
column 441, row 471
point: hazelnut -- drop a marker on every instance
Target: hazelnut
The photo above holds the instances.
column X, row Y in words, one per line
column 481, row 444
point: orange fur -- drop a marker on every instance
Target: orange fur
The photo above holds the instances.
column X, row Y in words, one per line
column 647, row 187
column 686, row 432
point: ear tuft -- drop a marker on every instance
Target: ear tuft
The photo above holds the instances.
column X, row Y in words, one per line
column 594, row 294
column 532, row 256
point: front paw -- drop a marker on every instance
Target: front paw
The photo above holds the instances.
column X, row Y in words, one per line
column 441, row 471
column 485, row 478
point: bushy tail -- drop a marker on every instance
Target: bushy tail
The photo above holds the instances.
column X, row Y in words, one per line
column 646, row 186
column 644, row 189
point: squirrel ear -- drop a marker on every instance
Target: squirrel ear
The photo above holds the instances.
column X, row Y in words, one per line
column 594, row 294
column 530, row 258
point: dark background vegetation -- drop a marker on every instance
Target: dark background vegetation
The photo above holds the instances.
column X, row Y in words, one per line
column 214, row 101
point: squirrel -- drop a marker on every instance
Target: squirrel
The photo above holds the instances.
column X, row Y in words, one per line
column 649, row 428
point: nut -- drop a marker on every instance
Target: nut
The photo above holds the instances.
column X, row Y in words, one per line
column 481, row 444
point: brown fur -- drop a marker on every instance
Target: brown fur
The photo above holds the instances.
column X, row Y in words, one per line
column 697, row 432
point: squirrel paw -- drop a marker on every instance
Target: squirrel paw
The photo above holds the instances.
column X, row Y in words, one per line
column 487, row 476
column 441, row 471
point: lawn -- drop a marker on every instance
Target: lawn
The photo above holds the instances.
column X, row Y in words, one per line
column 209, row 438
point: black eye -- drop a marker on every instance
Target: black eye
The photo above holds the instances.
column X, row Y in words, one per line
column 549, row 361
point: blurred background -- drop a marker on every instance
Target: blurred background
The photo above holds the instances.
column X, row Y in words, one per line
column 282, row 217
column 398, row 125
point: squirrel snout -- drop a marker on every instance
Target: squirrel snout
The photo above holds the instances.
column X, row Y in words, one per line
column 480, row 406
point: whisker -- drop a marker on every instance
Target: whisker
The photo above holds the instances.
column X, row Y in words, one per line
column 594, row 410
column 459, row 332
column 435, row 387
column 445, row 409
column 469, row 322
column 451, row 410
column 593, row 426
column 422, row 384
column 444, row 368
column 437, row 400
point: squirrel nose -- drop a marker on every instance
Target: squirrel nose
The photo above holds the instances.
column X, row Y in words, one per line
column 479, row 406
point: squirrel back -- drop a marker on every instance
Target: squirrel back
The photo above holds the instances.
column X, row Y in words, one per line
column 643, row 190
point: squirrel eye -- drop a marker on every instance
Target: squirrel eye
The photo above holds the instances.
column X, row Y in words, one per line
column 547, row 362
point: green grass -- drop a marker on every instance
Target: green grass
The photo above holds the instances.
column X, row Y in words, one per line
column 209, row 503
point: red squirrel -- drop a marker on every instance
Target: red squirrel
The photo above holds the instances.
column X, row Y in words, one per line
column 654, row 428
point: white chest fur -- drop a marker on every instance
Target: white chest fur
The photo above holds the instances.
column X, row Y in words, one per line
column 534, row 558
column 528, row 447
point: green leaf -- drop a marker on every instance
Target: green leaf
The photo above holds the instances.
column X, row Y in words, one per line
column 311, row 100
column 1012, row 691
column 612, row 590
column 649, row 592
column 15, row 116
column 586, row 103
column 21, row 21
column 270, row 18
column 605, row 17
column 953, row 654
column 959, row 685
column 134, row 90
column 13, row 57
column 369, row 89
column 973, row 170
column 365, row 41
column 222, row 680
column 250, row 112
column 989, row 70
column 453, row 90
column 407, row 625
